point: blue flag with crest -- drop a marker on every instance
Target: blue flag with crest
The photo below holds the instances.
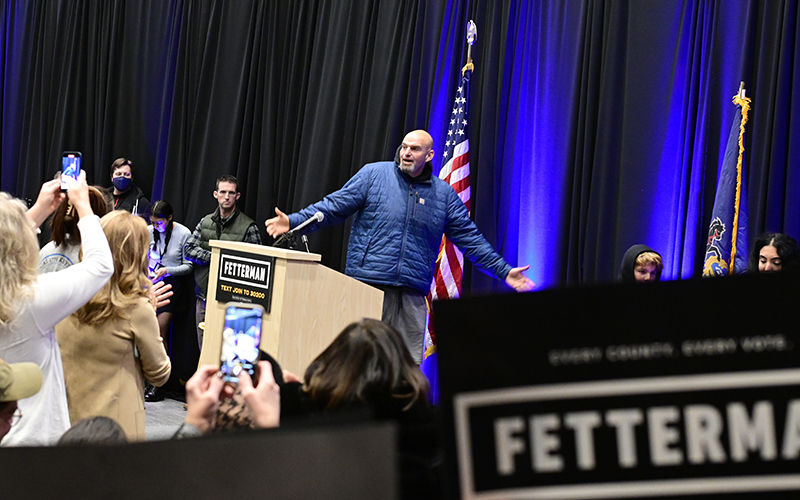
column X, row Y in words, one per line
column 727, row 245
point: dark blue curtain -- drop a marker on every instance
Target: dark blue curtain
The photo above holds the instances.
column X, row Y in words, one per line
column 609, row 121
column 594, row 124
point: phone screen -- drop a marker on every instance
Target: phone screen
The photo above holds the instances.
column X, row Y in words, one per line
column 240, row 339
column 70, row 167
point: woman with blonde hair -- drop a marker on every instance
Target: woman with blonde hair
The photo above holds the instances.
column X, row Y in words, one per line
column 31, row 304
column 99, row 342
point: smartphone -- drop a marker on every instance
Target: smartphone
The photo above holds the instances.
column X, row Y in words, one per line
column 241, row 337
column 70, row 167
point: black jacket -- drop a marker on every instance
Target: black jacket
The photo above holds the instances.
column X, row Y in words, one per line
column 130, row 199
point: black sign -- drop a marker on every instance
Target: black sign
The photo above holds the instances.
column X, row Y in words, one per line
column 245, row 277
column 342, row 462
column 628, row 391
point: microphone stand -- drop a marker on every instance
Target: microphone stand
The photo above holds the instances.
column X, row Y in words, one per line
column 304, row 239
column 286, row 240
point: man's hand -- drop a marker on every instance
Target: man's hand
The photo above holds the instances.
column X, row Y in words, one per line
column 202, row 397
column 160, row 273
column 50, row 197
column 519, row 281
column 160, row 293
column 276, row 226
column 263, row 400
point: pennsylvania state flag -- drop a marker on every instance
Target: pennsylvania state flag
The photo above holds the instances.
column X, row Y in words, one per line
column 727, row 246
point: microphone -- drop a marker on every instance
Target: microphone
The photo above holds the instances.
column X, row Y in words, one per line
column 317, row 217
column 289, row 235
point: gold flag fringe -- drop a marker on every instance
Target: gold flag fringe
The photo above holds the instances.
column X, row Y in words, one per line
column 744, row 102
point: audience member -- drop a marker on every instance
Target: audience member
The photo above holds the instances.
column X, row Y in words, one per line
column 168, row 264
column 31, row 304
column 233, row 414
column 43, row 234
column 368, row 366
column 94, row 431
column 206, row 390
column 226, row 223
column 127, row 195
column 64, row 248
column 640, row 264
column 17, row 381
column 99, row 343
column 774, row 252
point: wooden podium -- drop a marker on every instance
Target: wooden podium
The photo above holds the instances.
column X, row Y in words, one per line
column 310, row 303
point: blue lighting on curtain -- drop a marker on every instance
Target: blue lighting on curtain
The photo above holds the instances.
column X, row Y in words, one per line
column 15, row 52
column 682, row 69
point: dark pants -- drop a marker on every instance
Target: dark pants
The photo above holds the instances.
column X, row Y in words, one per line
column 200, row 316
column 405, row 309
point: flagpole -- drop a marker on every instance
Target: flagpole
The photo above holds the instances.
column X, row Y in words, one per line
column 472, row 36
column 447, row 278
column 744, row 102
column 727, row 231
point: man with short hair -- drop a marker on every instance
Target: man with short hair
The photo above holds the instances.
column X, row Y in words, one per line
column 127, row 195
column 401, row 212
column 17, row 381
column 226, row 223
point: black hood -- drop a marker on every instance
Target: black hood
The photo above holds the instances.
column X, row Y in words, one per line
column 629, row 262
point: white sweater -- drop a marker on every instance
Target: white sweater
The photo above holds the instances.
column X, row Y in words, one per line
column 31, row 336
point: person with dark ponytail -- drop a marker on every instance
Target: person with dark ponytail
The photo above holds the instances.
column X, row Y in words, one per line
column 168, row 263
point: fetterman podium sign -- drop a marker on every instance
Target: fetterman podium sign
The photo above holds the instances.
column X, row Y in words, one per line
column 244, row 277
column 677, row 389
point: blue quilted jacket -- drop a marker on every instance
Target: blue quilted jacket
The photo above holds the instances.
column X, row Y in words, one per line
column 398, row 226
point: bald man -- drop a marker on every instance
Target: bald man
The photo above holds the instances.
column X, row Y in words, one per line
column 400, row 213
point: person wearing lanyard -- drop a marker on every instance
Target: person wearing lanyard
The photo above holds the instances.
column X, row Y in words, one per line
column 127, row 196
column 167, row 262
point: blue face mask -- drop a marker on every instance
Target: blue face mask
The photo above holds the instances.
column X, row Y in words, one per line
column 122, row 183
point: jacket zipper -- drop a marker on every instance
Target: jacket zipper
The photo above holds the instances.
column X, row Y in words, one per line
column 409, row 208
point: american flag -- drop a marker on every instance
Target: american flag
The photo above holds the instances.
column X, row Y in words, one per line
column 455, row 171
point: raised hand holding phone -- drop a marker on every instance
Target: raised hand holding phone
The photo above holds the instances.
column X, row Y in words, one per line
column 78, row 195
column 70, row 169
column 264, row 399
column 203, row 392
column 50, row 197
column 241, row 337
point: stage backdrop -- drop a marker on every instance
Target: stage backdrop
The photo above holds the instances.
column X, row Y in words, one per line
column 594, row 125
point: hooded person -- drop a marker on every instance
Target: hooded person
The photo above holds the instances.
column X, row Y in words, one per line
column 640, row 264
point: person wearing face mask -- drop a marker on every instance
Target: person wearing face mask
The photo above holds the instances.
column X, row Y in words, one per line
column 127, row 196
column 167, row 262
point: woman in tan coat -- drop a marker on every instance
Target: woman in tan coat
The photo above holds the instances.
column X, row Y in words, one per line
column 103, row 374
